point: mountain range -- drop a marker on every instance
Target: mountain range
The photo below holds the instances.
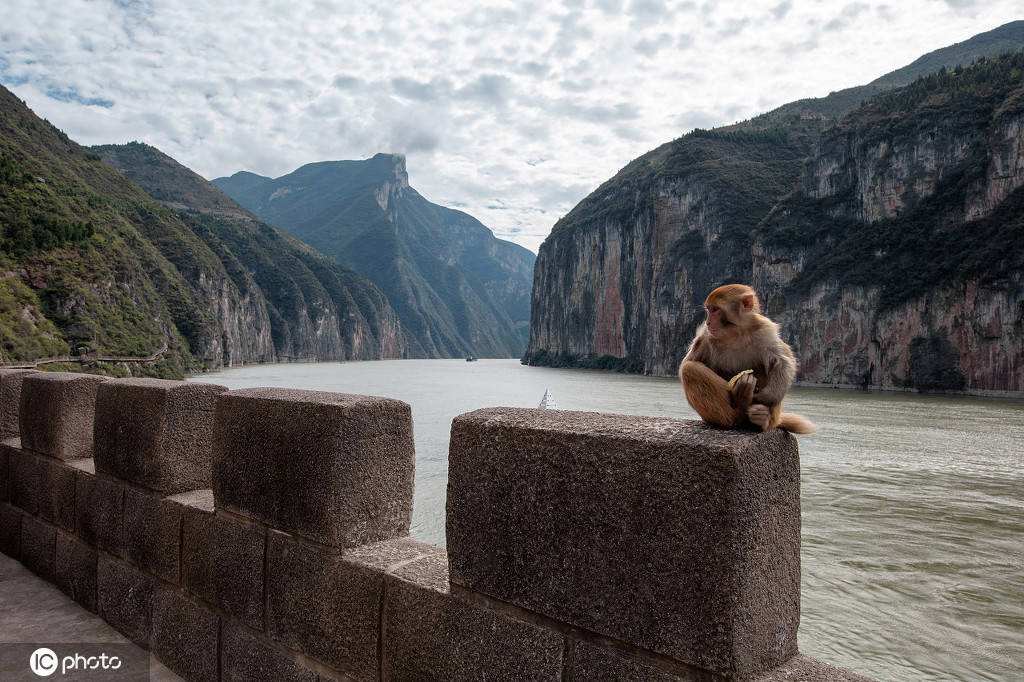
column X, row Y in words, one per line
column 456, row 288
column 881, row 224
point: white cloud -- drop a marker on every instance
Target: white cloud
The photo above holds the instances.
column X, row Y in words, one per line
column 511, row 111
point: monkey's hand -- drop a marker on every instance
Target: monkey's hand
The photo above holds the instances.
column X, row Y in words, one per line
column 759, row 415
column 732, row 382
column 742, row 388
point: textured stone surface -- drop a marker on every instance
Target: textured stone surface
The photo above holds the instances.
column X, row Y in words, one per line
column 323, row 605
column 99, row 511
column 599, row 664
column 56, row 413
column 222, row 563
column 430, row 634
column 247, row 656
column 125, row 598
column 802, row 668
column 74, row 568
column 37, row 546
column 185, row 635
column 156, row 433
column 10, row 400
column 57, row 493
column 5, row 471
column 351, row 456
column 673, row 536
column 10, row 530
column 152, row 533
column 23, row 468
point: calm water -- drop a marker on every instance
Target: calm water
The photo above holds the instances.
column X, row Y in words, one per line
column 913, row 506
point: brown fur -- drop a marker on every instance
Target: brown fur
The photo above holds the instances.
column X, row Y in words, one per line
column 735, row 337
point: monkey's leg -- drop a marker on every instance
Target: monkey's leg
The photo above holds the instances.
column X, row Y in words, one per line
column 709, row 394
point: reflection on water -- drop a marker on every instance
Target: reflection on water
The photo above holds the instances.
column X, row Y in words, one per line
column 913, row 506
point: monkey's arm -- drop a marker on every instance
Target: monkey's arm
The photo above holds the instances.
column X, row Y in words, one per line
column 780, row 370
column 709, row 394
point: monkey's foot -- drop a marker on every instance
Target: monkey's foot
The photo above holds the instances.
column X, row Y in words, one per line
column 759, row 416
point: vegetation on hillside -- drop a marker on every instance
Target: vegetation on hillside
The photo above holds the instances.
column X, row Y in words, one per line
column 928, row 245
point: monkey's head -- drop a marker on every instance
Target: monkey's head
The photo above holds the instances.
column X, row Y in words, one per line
column 730, row 309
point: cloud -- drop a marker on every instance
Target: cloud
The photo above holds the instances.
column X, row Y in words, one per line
column 512, row 112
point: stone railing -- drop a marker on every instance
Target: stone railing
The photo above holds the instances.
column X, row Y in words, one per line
column 262, row 534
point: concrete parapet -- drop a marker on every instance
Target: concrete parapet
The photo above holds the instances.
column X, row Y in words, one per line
column 10, row 400
column 156, row 433
column 185, row 635
column 222, row 561
column 351, row 456
column 671, row 536
column 74, row 568
column 56, row 413
column 429, row 633
column 580, row 546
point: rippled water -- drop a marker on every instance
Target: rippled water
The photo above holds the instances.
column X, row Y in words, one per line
column 913, row 506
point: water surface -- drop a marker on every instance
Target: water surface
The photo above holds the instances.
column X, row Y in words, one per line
column 913, row 506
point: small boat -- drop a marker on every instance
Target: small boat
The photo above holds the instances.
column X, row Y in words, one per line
column 470, row 359
column 548, row 401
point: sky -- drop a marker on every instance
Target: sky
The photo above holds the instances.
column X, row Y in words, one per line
column 510, row 111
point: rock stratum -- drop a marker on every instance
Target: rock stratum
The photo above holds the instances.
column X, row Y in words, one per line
column 456, row 288
column 90, row 260
column 882, row 225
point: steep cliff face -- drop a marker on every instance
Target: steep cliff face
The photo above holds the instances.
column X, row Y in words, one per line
column 456, row 288
column 912, row 272
column 90, row 261
column 276, row 298
column 889, row 243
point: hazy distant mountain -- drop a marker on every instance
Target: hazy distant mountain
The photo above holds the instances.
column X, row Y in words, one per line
column 881, row 224
column 456, row 288
column 304, row 306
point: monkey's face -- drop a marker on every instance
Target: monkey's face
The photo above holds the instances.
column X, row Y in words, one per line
column 718, row 319
column 728, row 312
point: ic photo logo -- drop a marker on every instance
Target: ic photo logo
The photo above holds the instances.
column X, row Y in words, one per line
column 44, row 662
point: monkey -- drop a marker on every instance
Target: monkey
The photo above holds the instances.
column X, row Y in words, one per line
column 737, row 369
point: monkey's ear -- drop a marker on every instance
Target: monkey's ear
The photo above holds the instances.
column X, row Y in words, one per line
column 747, row 301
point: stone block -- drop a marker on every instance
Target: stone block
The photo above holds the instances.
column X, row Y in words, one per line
column 38, row 540
column 24, row 470
column 152, row 533
column 5, row 470
column 222, row 563
column 334, row 468
column 56, row 413
column 600, row 664
column 801, row 668
column 10, row 530
column 74, row 568
column 431, row 634
column 57, row 493
column 323, row 605
column 673, row 536
column 124, row 596
column 10, row 400
column 250, row 657
column 99, row 511
column 184, row 635
column 156, row 433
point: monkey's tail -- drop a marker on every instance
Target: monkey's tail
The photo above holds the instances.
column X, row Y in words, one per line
column 794, row 423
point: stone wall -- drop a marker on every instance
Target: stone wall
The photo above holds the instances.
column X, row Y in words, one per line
column 262, row 534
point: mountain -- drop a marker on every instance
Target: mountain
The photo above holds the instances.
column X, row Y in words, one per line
column 881, row 227
column 89, row 260
column 456, row 288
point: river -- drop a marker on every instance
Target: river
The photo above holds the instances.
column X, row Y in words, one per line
column 913, row 506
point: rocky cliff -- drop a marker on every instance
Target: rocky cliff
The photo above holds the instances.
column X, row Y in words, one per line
column 456, row 288
column 90, row 261
column 886, row 235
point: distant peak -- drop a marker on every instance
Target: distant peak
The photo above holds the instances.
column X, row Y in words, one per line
column 396, row 162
